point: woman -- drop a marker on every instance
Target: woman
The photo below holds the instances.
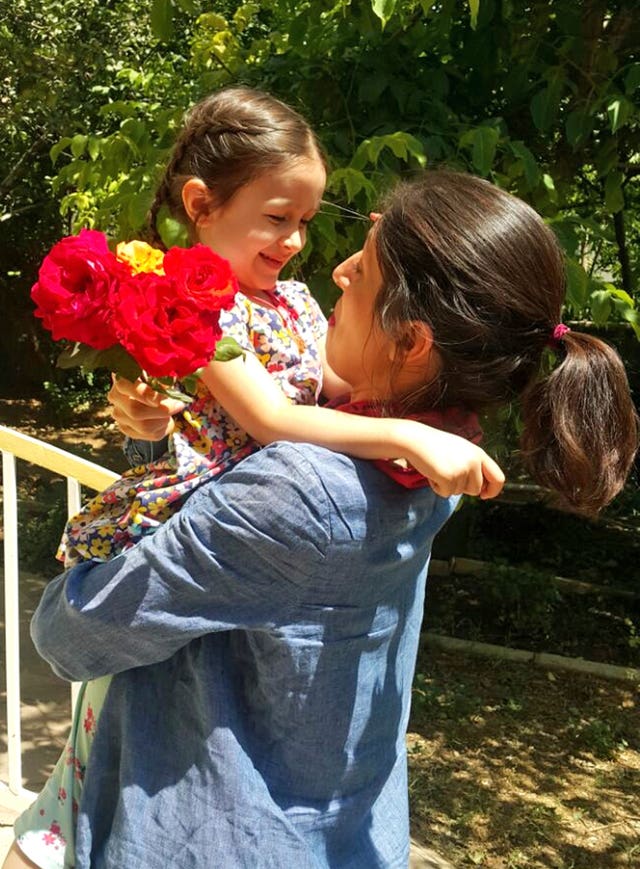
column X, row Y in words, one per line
column 264, row 640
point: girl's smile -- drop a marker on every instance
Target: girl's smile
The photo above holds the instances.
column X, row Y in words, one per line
column 273, row 262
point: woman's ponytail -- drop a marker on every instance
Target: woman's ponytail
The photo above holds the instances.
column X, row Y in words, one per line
column 580, row 426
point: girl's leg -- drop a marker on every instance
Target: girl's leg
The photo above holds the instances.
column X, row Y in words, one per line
column 15, row 859
column 45, row 832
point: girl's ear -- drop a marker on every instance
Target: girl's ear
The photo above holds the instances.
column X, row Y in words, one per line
column 197, row 200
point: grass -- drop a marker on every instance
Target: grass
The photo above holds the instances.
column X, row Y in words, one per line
column 515, row 768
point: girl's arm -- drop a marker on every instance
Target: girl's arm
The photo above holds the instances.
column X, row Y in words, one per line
column 452, row 464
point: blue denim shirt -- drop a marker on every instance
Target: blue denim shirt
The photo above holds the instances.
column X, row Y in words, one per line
column 143, row 452
column 265, row 640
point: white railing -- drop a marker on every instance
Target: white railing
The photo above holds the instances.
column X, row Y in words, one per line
column 79, row 472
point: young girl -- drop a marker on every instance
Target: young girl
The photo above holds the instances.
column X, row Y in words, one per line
column 265, row 638
column 246, row 176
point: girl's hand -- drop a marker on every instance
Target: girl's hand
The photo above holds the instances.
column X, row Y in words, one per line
column 140, row 412
column 455, row 466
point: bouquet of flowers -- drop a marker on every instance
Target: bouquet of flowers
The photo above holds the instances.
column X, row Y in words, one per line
column 140, row 312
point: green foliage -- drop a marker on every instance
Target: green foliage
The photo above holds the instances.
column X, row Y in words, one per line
column 458, row 703
column 523, row 600
column 79, row 393
column 541, row 98
column 40, row 533
column 595, row 734
column 538, row 99
column 89, row 359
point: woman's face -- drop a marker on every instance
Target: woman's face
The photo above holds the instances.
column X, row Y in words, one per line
column 357, row 349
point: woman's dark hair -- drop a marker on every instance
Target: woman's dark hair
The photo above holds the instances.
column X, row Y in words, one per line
column 485, row 273
column 229, row 139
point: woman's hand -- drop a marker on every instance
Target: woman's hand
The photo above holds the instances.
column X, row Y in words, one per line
column 140, row 412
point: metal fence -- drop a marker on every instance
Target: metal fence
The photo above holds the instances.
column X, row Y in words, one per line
column 78, row 472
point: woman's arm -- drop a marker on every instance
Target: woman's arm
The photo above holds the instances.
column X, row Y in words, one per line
column 453, row 465
column 240, row 554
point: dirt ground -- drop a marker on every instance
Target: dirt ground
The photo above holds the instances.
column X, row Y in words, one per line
column 91, row 434
column 511, row 767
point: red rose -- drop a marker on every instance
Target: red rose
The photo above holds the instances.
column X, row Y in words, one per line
column 163, row 326
column 202, row 274
column 168, row 323
column 74, row 288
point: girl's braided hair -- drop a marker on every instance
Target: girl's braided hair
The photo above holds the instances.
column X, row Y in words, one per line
column 485, row 273
column 229, row 139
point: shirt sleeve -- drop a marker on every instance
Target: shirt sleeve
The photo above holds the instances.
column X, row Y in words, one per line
column 238, row 555
column 236, row 322
column 143, row 452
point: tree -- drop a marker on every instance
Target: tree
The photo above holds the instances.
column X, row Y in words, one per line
column 540, row 97
column 54, row 65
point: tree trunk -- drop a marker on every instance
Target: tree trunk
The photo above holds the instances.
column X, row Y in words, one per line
column 623, row 253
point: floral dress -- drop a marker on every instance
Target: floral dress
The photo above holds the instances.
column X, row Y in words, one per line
column 284, row 335
column 206, row 440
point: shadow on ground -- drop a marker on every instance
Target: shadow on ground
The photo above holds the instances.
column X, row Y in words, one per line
column 513, row 767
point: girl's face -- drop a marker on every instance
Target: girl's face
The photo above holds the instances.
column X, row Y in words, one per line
column 264, row 223
column 357, row 349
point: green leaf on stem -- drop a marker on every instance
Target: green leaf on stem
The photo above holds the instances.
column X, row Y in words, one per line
column 600, row 307
column 529, row 165
column 577, row 286
column 632, row 317
column 162, row 19
column 227, row 349
column 579, row 125
column 632, row 78
column 383, row 9
column 169, row 389
column 114, row 359
column 619, row 111
column 613, row 195
column 474, row 8
column 485, row 141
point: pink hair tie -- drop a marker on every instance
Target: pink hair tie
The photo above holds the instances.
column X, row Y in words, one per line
column 557, row 335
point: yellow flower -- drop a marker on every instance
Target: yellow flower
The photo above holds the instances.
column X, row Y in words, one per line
column 140, row 257
column 100, row 548
column 194, row 421
column 157, row 507
column 201, row 445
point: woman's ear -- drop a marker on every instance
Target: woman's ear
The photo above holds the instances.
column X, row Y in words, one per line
column 417, row 344
column 197, row 200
